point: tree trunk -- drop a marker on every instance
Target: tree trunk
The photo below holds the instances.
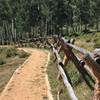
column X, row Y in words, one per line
column 12, row 28
column 97, row 25
column 67, row 29
column 46, row 26
column 51, row 28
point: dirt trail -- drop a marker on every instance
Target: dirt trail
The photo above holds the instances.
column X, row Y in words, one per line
column 30, row 81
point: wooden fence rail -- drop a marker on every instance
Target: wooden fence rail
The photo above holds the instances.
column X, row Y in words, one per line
column 64, row 76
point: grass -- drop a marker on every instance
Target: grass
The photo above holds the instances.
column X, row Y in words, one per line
column 89, row 41
column 82, row 91
column 55, row 84
column 78, row 83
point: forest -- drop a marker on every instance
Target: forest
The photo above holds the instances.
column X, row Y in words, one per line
column 21, row 19
column 64, row 35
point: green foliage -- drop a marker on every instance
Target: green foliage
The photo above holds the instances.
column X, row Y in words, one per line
column 22, row 54
column 35, row 17
column 74, row 74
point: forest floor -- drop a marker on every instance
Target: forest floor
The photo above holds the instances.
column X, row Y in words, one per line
column 30, row 81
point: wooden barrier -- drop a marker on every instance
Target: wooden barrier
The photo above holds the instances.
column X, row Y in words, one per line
column 87, row 65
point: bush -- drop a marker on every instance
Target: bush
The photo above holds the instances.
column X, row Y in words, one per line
column 22, row 54
column 74, row 35
column 2, row 61
column 10, row 52
column 1, row 49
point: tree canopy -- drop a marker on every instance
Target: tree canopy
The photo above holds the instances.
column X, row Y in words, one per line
column 30, row 18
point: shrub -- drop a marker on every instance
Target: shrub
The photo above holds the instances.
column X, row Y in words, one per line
column 10, row 52
column 1, row 49
column 22, row 54
column 2, row 61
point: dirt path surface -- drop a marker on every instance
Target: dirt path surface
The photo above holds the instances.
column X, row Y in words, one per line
column 30, row 81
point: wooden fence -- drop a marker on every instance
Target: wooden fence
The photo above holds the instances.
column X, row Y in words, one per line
column 88, row 64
